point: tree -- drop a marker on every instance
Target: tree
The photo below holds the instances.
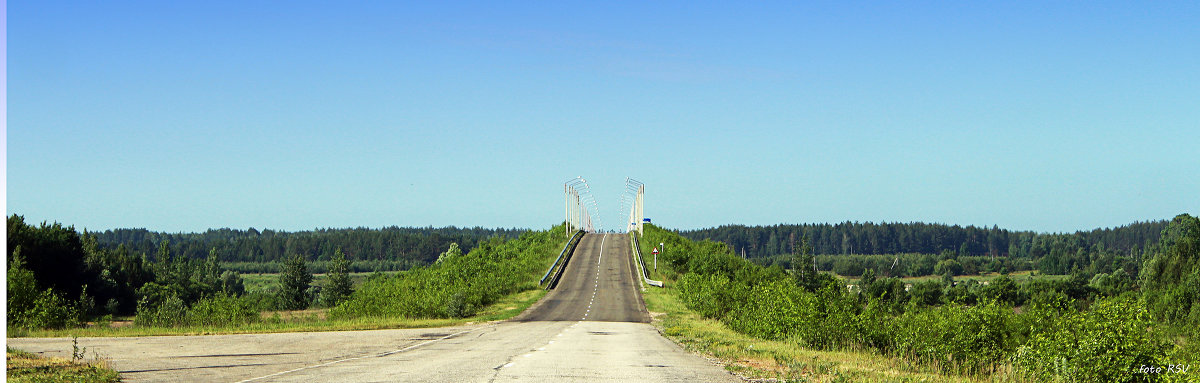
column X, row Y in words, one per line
column 52, row 252
column 339, row 287
column 804, row 268
column 232, row 284
column 867, row 279
column 948, row 266
column 452, row 252
column 22, row 289
column 294, row 283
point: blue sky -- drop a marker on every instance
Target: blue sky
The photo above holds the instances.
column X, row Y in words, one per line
column 1047, row 116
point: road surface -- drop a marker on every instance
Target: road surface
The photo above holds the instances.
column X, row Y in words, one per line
column 592, row 328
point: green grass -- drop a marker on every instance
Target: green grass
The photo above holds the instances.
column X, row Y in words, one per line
column 26, row 367
column 303, row 321
column 268, row 281
column 762, row 359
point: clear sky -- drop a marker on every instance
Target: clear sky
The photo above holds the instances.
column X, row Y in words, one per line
column 1047, row 116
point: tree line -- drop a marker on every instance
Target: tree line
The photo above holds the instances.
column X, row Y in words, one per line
column 925, row 238
column 919, row 249
column 390, row 248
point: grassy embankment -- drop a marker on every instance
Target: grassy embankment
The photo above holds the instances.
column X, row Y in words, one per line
column 26, row 367
column 757, row 358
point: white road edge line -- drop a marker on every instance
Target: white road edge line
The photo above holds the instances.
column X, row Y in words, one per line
column 364, row 356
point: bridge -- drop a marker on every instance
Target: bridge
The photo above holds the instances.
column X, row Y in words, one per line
column 591, row 327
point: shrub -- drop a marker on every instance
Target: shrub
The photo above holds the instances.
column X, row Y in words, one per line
column 51, row 311
column 956, row 338
column 1106, row 344
column 168, row 312
column 222, row 310
column 709, row 295
column 1002, row 289
column 774, row 310
column 927, row 293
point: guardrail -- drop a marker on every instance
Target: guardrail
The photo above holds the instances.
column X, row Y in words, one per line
column 637, row 252
column 566, row 251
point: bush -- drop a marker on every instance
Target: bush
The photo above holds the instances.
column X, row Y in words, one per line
column 222, row 310
column 712, row 296
column 927, row 293
column 774, row 310
column 168, row 312
column 956, row 338
column 50, row 311
column 1002, row 289
column 1106, row 344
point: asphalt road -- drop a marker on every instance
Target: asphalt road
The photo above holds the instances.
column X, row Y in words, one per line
column 599, row 284
column 591, row 328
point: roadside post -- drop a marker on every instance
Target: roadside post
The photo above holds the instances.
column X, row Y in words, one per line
column 655, row 252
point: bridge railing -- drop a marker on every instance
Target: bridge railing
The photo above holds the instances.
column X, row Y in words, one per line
column 562, row 259
column 637, row 253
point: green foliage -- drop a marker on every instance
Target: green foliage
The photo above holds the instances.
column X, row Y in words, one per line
column 54, row 253
column 924, row 238
column 29, row 307
column 1109, row 343
column 948, row 266
column 927, row 293
column 452, row 252
column 222, row 310
column 294, row 283
column 1170, row 279
column 889, row 291
column 458, row 286
column 961, row 339
column 51, row 311
column 977, row 333
column 394, row 248
column 339, row 287
column 775, row 310
column 1003, row 290
column 711, row 295
column 232, row 283
column 161, row 311
column 804, row 268
column 106, row 281
column 22, row 289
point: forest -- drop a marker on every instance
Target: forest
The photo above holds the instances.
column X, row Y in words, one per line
column 924, row 238
column 1084, row 328
column 917, row 249
column 392, row 248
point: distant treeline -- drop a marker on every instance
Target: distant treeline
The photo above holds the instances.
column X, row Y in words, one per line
column 928, row 238
column 390, row 248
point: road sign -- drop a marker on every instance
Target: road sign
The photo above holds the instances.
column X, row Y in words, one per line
column 655, row 251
